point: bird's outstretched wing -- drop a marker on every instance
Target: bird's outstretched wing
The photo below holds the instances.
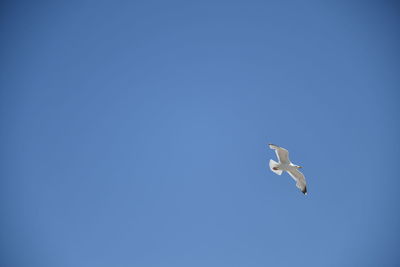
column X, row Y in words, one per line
column 281, row 153
column 300, row 180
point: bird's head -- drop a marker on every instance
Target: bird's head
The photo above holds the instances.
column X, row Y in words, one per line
column 298, row 167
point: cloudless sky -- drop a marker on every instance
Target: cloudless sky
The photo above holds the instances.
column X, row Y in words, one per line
column 134, row 133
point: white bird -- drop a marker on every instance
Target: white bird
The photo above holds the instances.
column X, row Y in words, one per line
column 284, row 164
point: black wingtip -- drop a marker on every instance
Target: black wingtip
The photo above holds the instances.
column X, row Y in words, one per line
column 304, row 191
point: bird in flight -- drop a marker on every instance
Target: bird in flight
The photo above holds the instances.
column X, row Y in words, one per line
column 284, row 164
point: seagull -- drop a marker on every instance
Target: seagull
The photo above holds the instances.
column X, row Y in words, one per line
column 285, row 165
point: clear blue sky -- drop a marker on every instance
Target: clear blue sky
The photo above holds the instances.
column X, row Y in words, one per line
column 133, row 133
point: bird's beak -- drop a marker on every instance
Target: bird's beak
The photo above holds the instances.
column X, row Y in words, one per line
column 299, row 167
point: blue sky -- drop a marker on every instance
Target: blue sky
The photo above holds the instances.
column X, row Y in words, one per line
column 133, row 133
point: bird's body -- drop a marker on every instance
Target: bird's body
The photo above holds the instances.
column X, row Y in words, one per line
column 284, row 165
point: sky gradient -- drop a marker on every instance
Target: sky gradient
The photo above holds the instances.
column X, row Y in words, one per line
column 134, row 133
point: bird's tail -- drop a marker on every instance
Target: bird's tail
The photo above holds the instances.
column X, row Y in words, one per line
column 273, row 164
